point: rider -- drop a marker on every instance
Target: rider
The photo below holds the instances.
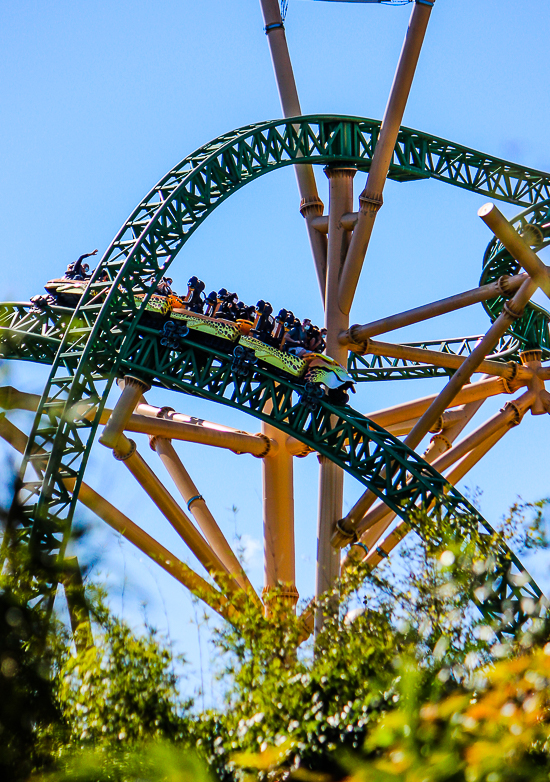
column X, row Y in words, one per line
column 195, row 301
column 264, row 322
column 295, row 339
column 79, row 270
column 228, row 309
column 164, row 287
column 315, row 342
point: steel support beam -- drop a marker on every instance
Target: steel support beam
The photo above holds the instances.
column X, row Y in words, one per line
column 278, row 513
column 370, row 199
column 331, row 478
column 511, row 312
column 505, row 286
column 472, row 392
column 151, row 548
column 311, row 205
column 516, row 246
column 128, row 529
column 469, row 460
column 129, row 399
column 127, row 453
column 238, row 442
column 378, row 519
column 197, row 506
column 436, row 358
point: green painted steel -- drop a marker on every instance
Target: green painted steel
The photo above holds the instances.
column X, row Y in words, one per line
column 32, row 334
column 102, row 341
column 532, row 330
column 369, row 367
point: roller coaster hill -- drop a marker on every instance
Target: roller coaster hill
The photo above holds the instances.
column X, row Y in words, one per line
column 123, row 324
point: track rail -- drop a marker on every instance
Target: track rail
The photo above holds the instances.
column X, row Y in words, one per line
column 35, row 335
column 102, row 341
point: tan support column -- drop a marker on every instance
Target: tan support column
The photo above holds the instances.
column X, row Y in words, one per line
column 377, row 520
column 130, row 397
column 505, row 285
column 79, row 615
column 437, row 358
column 152, row 548
column 516, row 246
column 370, row 199
column 331, row 478
column 472, row 392
column 331, row 492
column 311, row 205
column 200, row 511
column 170, row 429
column 278, row 511
column 126, row 452
column 511, row 312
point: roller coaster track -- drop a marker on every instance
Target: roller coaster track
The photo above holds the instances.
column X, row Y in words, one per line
column 34, row 334
column 91, row 346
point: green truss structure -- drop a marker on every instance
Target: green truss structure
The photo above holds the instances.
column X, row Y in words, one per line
column 89, row 347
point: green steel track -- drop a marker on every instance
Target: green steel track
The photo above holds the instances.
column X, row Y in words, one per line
column 89, row 347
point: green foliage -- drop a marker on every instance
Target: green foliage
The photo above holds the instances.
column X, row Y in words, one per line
column 27, row 696
column 401, row 638
column 28, row 705
column 145, row 762
column 303, row 704
column 497, row 729
column 405, row 681
column 121, row 689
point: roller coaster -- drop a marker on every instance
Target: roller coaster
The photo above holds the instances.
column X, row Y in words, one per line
column 118, row 329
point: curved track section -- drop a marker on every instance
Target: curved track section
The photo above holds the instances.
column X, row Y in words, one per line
column 103, row 340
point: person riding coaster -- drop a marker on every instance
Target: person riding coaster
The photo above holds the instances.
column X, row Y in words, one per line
column 283, row 343
column 66, row 291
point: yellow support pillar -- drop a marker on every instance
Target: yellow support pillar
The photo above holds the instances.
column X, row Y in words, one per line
column 130, row 397
column 311, row 206
column 197, row 506
column 371, row 198
column 278, row 512
column 331, row 478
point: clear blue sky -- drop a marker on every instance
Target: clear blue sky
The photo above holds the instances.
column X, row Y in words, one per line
column 99, row 100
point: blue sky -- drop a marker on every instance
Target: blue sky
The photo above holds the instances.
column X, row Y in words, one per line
column 100, row 99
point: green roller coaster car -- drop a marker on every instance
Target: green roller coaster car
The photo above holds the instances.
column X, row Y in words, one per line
column 317, row 372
